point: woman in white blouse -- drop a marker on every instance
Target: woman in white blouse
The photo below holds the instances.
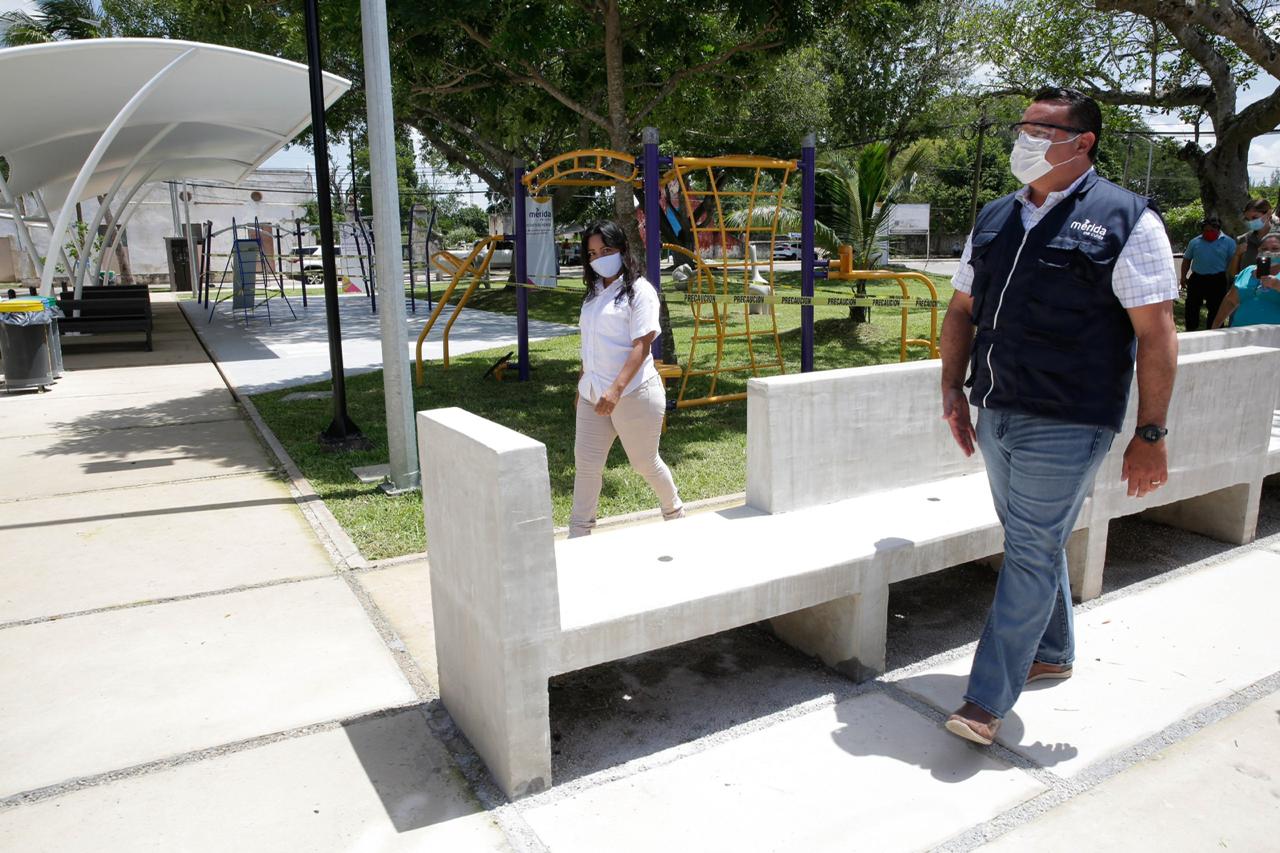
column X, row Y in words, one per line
column 619, row 393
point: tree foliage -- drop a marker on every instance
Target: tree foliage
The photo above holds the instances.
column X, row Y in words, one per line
column 1184, row 58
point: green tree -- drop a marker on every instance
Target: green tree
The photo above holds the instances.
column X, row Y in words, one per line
column 52, row 20
column 1188, row 58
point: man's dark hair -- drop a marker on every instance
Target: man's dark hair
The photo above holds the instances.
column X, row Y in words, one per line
column 1084, row 111
column 1212, row 220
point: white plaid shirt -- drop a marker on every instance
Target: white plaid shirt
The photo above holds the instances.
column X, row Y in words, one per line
column 1144, row 273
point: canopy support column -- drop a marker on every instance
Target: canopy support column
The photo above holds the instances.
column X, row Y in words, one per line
column 59, row 232
column 107, row 200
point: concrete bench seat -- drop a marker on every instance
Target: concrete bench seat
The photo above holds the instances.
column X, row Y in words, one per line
column 853, row 483
column 638, row 589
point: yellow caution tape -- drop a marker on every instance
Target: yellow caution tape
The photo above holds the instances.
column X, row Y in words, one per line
column 675, row 296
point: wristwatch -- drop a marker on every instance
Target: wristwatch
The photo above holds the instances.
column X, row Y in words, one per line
column 1151, row 433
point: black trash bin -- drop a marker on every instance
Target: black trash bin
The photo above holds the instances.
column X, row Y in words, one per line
column 26, row 352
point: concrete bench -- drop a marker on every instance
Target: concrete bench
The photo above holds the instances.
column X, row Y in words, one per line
column 853, row 483
column 1262, row 336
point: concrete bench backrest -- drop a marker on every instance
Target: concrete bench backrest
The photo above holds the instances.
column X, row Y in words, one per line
column 1219, row 418
column 817, row 438
column 486, row 501
column 1190, row 343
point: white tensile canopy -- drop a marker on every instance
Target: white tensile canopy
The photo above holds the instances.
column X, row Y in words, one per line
column 79, row 119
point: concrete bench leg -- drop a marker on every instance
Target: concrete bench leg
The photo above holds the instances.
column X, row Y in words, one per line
column 1229, row 515
column 1086, row 556
column 847, row 634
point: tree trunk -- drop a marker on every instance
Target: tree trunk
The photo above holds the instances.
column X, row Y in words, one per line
column 1223, row 174
column 620, row 139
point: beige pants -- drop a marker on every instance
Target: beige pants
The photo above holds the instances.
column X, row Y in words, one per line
column 637, row 420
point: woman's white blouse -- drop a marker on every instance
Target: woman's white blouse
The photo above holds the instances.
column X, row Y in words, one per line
column 608, row 330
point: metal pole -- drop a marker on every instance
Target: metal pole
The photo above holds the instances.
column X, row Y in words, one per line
column 342, row 432
column 384, row 184
column 977, row 173
column 521, row 271
column 173, row 207
column 431, row 226
column 1151, row 150
column 652, row 230
column 1128, row 150
column 808, row 163
column 413, row 298
column 191, row 244
column 302, row 272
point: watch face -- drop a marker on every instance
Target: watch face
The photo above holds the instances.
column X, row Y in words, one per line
column 1151, row 433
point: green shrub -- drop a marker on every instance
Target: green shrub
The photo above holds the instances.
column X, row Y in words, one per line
column 1183, row 223
column 463, row 235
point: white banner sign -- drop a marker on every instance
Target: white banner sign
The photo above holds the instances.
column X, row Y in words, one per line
column 540, row 243
column 909, row 219
column 349, row 261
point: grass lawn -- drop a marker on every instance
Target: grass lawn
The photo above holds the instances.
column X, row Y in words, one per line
column 705, row 446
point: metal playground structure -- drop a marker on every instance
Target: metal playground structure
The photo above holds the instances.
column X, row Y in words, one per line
column 732, row 306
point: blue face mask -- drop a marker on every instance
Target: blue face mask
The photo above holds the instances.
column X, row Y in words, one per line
column 1255, row 224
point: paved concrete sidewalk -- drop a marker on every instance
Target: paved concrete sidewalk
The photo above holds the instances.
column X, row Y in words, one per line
column 183, row 666
column 293, row 349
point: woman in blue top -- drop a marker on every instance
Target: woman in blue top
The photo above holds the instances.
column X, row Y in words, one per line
column 1254, row 300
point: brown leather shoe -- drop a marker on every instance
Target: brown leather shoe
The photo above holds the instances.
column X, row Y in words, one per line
column 974, row 724
column 1048, row 671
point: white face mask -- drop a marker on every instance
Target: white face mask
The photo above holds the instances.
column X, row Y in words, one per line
column 607, row 266
column 1027, row 160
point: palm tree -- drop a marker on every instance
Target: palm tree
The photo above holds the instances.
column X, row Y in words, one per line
column 854, row 202
column 53, row 20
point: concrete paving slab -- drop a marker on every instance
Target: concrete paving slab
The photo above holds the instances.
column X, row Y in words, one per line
column 125, row 687
column 1143, row 662
column 403, row 594
column 101, row 549
column 1217, row 790
column 865, row 774
column 382, row 783
column 44, row 414
column 82, row 462
column 87, row 380
column 257, row 357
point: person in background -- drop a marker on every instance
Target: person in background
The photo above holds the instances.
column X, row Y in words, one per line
column 1258, row 223
column 1204, row 271
column 620, row 394
column 1255, row 299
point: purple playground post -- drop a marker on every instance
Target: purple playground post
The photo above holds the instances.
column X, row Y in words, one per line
column 808, row 161
column 652, row 230
column 521, row 272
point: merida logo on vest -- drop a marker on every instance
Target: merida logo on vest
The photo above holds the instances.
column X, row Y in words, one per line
column 1092, row 229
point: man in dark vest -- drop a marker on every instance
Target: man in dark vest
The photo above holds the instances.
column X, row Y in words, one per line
column 1060, row 286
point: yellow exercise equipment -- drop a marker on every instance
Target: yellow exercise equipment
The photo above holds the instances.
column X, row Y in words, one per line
column 846, row 272
column 475, row 265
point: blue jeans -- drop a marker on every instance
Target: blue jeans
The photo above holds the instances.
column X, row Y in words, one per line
column 1040, row 471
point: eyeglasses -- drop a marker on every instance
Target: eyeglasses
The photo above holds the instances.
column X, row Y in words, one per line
column 1039, row 129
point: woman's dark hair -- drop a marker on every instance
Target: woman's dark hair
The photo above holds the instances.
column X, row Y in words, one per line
column 1258, row 205
column 1084, row 111
column 613, row 237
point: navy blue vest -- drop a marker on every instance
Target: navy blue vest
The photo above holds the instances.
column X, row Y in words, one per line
column 1052, row 339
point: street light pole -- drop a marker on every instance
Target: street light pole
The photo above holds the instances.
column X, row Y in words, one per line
column 402, row 441
column 342, row 433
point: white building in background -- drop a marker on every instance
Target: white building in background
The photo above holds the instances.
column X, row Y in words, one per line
column 276, row 197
